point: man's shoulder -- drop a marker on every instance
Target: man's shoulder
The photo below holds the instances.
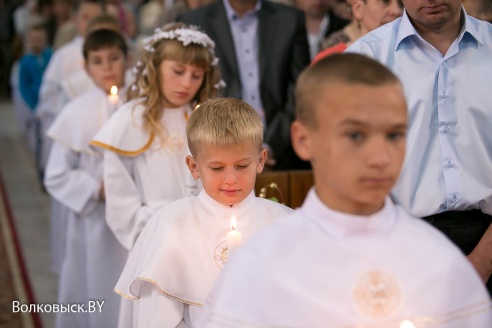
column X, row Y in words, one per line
column 480, row 25
column 200, row 13
column 382, row 33
column 378, row 43
column 280, row 7
column 481, row 30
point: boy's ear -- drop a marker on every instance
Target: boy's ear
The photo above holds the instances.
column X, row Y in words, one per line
column 300, row 137
column 261, row 160
column 191, row 163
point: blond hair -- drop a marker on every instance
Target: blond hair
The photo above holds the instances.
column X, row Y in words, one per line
column 224, row 122
column 147, row 83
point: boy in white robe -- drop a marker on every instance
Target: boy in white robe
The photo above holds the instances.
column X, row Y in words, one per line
column 182, row 249
column 349, row 257
column 94, row 258
column 64, row 63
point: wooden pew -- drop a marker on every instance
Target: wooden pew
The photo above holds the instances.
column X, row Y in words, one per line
column 288, row 187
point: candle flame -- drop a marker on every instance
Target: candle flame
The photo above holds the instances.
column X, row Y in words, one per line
column 406, row 324
column 114, row 90
column 233, row 223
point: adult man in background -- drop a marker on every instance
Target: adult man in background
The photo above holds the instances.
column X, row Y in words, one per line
column 262, row 48
column 320, row 21
column 442, row 56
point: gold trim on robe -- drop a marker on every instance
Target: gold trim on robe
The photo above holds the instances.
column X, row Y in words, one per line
column 124, row 132
column 80, row 120
column 124, row 152
column 156, row 285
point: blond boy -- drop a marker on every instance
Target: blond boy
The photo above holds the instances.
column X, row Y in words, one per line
column 349, row 257
column 186, row 244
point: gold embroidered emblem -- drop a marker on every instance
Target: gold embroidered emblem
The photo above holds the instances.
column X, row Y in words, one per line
column 377, row 294
column 220, row 254
column 174, row 145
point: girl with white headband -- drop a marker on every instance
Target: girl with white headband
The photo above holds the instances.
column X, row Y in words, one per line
column 145, row 140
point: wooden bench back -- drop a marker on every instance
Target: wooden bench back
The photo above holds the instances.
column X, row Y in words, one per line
column 290, row 187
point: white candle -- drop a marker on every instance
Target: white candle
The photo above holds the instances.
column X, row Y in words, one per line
column 113, row 96
column 233, row 238
column 406, row 324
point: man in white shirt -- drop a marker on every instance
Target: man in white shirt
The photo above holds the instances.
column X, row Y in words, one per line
column 442, row 57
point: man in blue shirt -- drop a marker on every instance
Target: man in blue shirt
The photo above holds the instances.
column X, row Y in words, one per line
column 443, row 58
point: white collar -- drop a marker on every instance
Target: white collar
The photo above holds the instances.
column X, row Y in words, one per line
column 339, row 224
column 214, row 206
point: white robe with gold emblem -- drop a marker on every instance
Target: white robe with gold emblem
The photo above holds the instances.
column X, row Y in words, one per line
column 180, row 253
column 94, row 258
column 142, row 173
column 323, row 268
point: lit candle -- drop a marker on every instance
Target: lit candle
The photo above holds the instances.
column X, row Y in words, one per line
column 113, row 96
column 406, row 324
column 233, row 238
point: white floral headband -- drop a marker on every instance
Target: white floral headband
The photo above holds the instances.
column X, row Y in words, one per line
column 186, row 35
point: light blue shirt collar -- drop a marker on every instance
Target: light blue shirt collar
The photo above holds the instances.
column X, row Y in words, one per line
column 406, row 29
column 231, row 14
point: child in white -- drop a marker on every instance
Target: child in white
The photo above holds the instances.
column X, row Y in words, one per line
column 65, row 62
column 74, row 177
column 349, row 257
column 186, row 244
column 145, row 141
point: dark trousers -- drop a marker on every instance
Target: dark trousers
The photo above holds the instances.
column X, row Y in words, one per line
column 464, row 228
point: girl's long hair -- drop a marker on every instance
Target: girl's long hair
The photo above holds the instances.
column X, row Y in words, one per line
column 147, row 83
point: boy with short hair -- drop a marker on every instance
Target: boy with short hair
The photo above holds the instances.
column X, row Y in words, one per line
column 184, row 246
column 94, row 258
column 349, row 257
column 79, row 82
